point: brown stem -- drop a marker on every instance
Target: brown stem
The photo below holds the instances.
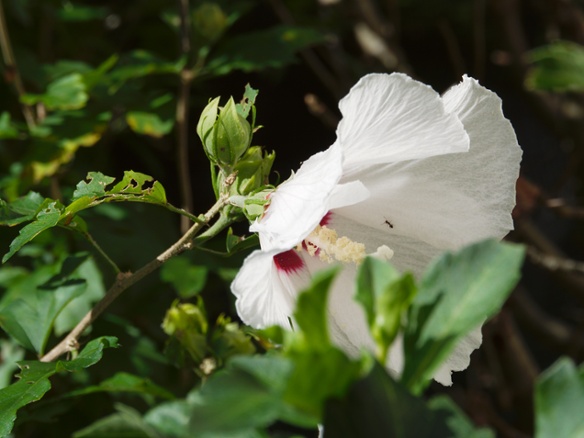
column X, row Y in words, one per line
column 182, row 111
column 12, row 74
column 125, row 280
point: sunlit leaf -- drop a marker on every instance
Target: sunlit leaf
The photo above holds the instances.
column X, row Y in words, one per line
column 148, row 124
column 458, row 292
column 559, row 397
column 34, row 380
column 45, row 219
column 20, row 210
column 65, row 93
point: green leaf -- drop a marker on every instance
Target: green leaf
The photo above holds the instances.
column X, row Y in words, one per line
column 458, row 292
column 385, row 296
column 311, row 310
column 7, row 128
column 458, row 423
column 148, row 124
column 10, row 352
column 378, row 407
column 126, row 383
column 94, row 188
column 320, row 370
column 244, row 396
column 66, row 93
column 126, row 423
column 186, row 278
column 73, row 312
column 20, row 210
column 273, row 47
column 557, row 67
column 71, row 12
column 559, row 397
column 47, row 218
column 29, row 318
column 34, row 380
column 248, row 101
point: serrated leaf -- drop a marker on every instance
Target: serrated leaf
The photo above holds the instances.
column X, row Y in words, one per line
column 458, row 292
column 148, row 124
column 20, row 210
column 559, row 397
column 95, row 188
column 34, row 380
column 45, row 219
column 249, row 96
column 273, row 47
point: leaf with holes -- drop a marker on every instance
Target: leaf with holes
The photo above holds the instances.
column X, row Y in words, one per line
column 34, row 379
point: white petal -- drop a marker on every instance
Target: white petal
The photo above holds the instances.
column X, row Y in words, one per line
column 298, row 204
column 410, row 254
column 460, row 357
column 346, row 318
column 265, row 295
column 450, row 200
column 391, row 118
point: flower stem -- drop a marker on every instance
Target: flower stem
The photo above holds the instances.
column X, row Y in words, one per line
column 126, row 279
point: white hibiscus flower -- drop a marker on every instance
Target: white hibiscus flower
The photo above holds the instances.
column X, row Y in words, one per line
column 412, row 174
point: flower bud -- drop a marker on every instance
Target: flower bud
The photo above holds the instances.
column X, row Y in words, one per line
column 225, row 138
column 209, row 21
column 252, row 171
column 187, row 323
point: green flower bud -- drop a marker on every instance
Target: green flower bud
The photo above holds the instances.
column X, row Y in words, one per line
column 207, row 123
column 252, row 171
column 209, row 21
column 187, row 323
column 227, row 138
column 232, row 135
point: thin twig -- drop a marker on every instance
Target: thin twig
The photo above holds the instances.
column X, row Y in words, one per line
column 125, row 280
column 12, row 74
column 531, row 234
column 559, row 205
column 182, row 111
column 554, row 263
column 545, row 328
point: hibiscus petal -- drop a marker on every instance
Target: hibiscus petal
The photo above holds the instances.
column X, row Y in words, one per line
column 459, row 359
column 450, row 200
column 298, row 204
column 266, row 295
column 391, row 118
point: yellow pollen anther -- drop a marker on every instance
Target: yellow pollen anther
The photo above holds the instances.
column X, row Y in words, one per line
column 326, row 243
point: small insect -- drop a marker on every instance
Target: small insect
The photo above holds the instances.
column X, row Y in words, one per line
column 388, row 223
